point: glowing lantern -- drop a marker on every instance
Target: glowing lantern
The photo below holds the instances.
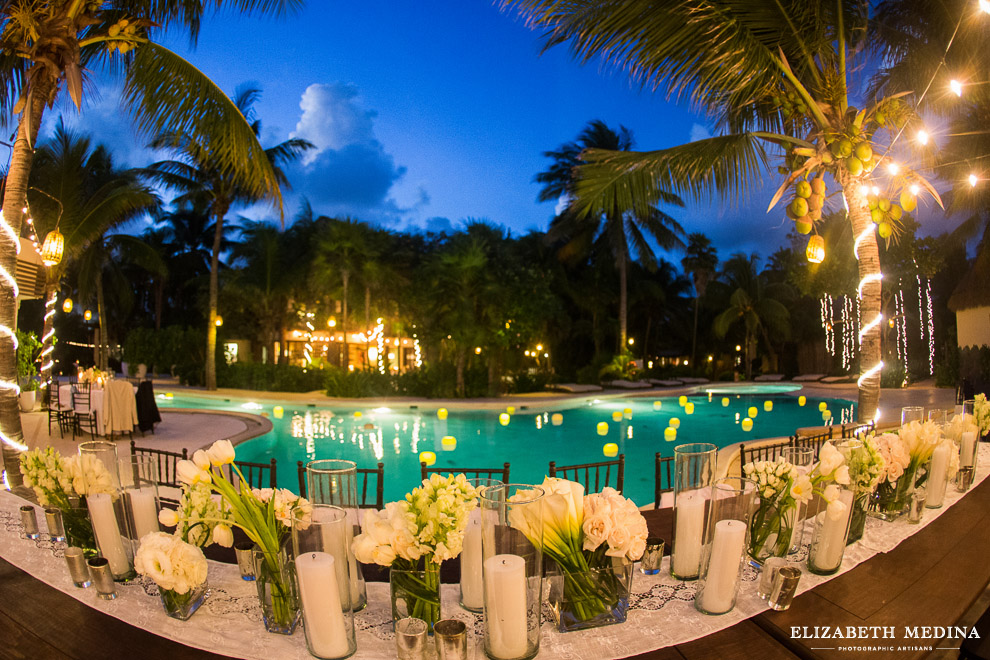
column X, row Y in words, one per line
column 802, row 400
column 611, row 449
column 556, row 419
column 504, row 418
column 511, row 410
column 279, row 412
column 725, row 402
column 51, row 249
column 602, row 428
column 752, row 412
column 627, row 413
column 219, row 321
column 448, row 442
column 657, row 405
column 689, row 408
column 675, row 423
column 682, row 400
column 823, row 406
column 816, row 249
column 670, row 434
column 826, row 415
column 747, row 425
column 427, row 457
column 768, row 405
column 441, row 413
column 67, row 305
column 617, row 416
column 88, row 315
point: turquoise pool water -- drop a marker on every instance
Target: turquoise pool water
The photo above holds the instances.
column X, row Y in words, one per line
column 397, row 435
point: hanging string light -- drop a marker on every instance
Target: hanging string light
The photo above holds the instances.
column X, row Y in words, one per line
column 417, row 353
column 931, row 327
column 11, row 386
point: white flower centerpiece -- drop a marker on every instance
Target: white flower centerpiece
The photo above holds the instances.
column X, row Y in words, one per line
column 265, row 516
column 64, row 483
column 907, row 455
column 781, row 487
column 178, row 568
column 867, row 467
column 593, row 541
column 413, row 537
column 981, row 414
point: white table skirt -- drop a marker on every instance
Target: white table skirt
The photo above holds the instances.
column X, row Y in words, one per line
column 95, row 403
column 661, row 611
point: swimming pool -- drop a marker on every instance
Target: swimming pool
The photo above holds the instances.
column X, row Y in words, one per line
column 530, row 438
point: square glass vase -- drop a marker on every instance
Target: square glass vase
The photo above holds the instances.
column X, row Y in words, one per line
column 182, row 606
column 589, row 599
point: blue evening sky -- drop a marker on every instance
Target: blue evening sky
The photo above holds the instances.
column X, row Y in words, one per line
column 427, row 113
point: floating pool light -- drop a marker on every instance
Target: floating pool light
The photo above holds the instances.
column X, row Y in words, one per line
column 511, row 410
column 169, row 395
column 753, row 412
column 747, row 425
column 504, row 419
column 657, row 405
column 441, row 413
column 617, row 416
column 802, row 400
column 826, row 415
column 602, row 428
column 627, row 413
column 448, row 443
column 358, row 414
column 610, row 449
column 682, row 400
column 427, row 457
column 725, row 402
column 768, row 405
column 556, row 419
column 279, row 412
column 823, row 406
column 670, row 434
column 675, row 423
column 689, row 408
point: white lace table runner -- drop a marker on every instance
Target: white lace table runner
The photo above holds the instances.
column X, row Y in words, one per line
column 661, row 609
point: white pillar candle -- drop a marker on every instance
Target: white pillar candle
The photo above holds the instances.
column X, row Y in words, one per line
column 322, row 612
column 144, row 509
column 505, row 605
column 938, row 475
column 472, row 586
column 107, row 533
column 335, row 543
column 723, row 567
column 690, row 514
column 967, row 449
column 831, row 541
column 356, row 579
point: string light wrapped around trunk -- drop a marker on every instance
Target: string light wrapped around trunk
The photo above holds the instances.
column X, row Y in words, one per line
column 52, row 248
column 816, row 249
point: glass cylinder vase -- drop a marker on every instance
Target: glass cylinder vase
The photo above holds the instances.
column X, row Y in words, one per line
column 106, row 452
column 803, row 459
column 181, row 606
column 829, row 533
column 694, row 471
column 318, row 542
column 139, row 489
column 415, row 593
column 857, row 518
column 275, row 577
column 472, row 584
column 333, row 481
column 912, row 414
column 112, row 533
column 79, row 529
column 726, row 539
column 512, row 568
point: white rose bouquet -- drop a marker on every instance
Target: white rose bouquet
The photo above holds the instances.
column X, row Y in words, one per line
column 907, row 455
column 414, row 537
column 585, row 536
column 64, row 483
column 178, row 568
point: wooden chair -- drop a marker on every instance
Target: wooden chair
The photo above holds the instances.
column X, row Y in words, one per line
column 84, row 418
column 664, row 475
column 57, row 412
column 254, row 473
column 500, row 474
column 167, row 461
column 593, row 470
column 364, row 476
column 767, row 452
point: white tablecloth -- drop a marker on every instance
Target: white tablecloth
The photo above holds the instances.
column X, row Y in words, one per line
column 661, row 609
column 95, row 403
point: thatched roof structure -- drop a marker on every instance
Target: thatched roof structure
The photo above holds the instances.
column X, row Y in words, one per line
column 974, row 289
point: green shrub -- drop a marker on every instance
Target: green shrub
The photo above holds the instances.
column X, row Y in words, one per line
column 175, row 350
column 892, row 376
column 355, row 384
column 947, row 369
column 523, row 381
column 27, row 348
column 270, row 377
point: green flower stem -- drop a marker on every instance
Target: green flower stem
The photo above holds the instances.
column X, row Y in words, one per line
column 420, row 589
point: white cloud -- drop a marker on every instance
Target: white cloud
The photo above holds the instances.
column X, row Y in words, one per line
column 332, row 118
column 699, row 132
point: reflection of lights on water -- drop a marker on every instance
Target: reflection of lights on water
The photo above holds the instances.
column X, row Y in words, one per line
column 383, row 409
column 539, row 422
column 629, row 432
column 415, row 435
column 251, row 405
column 397, row 444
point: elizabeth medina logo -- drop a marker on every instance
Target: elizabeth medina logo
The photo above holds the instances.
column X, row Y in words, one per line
column 884, row 638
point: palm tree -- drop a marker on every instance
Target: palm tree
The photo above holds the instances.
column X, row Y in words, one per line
column 43, row 44
column 700, row 261
column 624, row 231
column 76, row 189
column 755, row 302
column 775, row 78
column 206, row 182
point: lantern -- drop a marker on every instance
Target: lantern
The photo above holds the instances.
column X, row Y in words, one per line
column 657, row 405
column 448, row 443
column 441, row 413
column 511, row 410
column 67, row 305
column 627, row 413
column 681, row 400
column 753, row 412
column 670, row 434
column 279, row 412
column 219, row 321
column 816, row 249
column 504, row 419
column 689, row 408
column 556, row 419
column 747, row 425
column 616, row 415
column 88, row 315
column 823, row 406
column 427, row 457
column 802, row 400
column 768, row 405
column 675, row 423
column 602, row 428
column 51, row 249
column 725, row 402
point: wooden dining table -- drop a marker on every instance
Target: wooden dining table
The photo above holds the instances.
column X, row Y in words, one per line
column 930, row 579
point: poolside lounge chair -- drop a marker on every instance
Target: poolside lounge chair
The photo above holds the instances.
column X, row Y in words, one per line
column 694, row 381
column 830, row 380
column 769, row 378
column 574, row 388
column 592, row 474
column 665, row 383
column 629, row 384
column 808, row 378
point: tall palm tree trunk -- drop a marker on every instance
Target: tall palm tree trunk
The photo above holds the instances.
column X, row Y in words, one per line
column 623, row 300
column 869, row 265
column 103, row 347
column 47, row 354
column 14, row 199
column 345, row 359
column 694, row 333
column 746, row 355
column 211, row 324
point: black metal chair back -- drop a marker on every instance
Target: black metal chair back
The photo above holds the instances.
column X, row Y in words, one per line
column 501, row 474
column 814, row 441
column 61, row 416
column 166, row 460
column 767, row 452
column 84, row 417
column 364, row 476
column 855, row 430
column 257, row 475
column 664, row 478
column 594, row 476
